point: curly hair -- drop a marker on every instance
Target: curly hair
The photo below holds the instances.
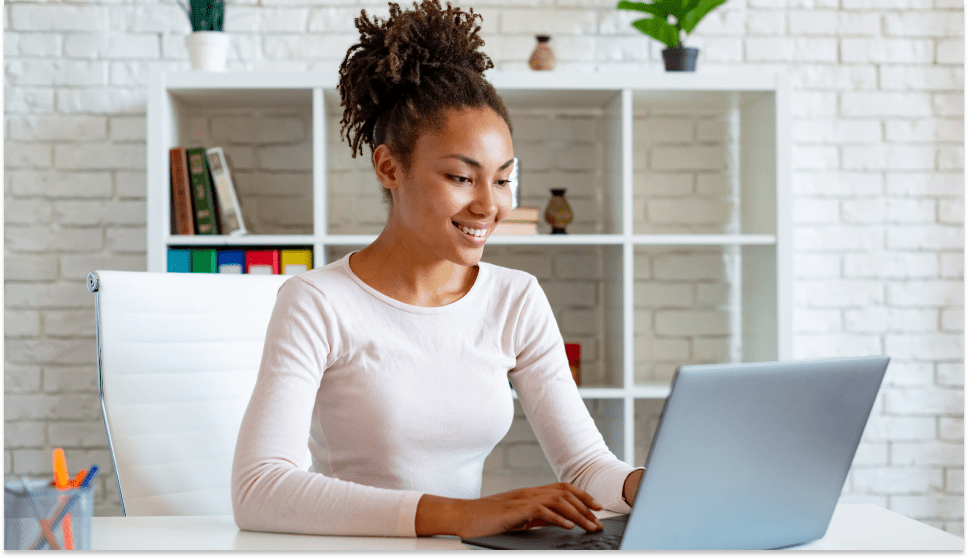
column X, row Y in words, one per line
column 406, row 71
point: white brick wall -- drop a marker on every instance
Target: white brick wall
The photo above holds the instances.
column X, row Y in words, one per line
column 878, row 180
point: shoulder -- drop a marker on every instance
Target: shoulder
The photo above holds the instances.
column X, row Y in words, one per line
column 508, row 281
column 329, row 282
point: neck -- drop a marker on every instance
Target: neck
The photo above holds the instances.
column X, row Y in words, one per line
column 406, row 271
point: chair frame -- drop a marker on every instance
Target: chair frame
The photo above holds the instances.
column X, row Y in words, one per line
column 92, row 285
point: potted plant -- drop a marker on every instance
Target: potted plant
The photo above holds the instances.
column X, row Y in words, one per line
column 671, row 21
column 208, row 45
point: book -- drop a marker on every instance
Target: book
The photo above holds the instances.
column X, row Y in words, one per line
column 229, row 210
column 524, row 214
column 205, row 219
column 515, row 227
column 204, row 261
column 179, row 260
column 231, row 261
column 264, row 262
column 183, row 221
column 295, row 262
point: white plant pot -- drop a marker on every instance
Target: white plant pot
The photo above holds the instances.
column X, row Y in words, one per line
column 208, row 50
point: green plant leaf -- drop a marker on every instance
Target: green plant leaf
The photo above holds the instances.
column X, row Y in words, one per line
column 695, row 15
column 655, row 8
column 658, row 29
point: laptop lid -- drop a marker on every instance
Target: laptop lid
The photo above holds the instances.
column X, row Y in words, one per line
column 752, row 455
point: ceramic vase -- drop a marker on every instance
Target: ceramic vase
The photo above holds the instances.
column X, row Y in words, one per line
column 558, row 213
column 208, row 50
column 542, row 58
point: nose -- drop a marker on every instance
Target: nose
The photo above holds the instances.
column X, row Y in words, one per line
column 484, row 202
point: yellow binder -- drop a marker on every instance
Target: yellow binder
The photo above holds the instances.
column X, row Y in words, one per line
column 295, row 262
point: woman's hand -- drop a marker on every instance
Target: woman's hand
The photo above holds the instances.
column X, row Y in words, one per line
column 560, row 504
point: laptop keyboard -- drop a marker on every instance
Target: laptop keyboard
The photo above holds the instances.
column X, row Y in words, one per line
column 602, row 542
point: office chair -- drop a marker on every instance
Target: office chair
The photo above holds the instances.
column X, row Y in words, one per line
column 178, row 355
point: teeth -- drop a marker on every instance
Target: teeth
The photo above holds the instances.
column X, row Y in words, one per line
column 472, row 232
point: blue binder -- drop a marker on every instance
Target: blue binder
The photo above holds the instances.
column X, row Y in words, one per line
column 231, row 261
column 179, row 260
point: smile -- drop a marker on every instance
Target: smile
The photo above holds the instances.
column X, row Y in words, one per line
column 476, row 233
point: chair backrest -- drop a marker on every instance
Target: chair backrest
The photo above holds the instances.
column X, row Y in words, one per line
column 178, row 356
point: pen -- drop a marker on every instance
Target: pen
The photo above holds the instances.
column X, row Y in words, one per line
column 78, row 479
column 65, row 506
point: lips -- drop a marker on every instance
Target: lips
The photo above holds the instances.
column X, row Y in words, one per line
column 476, row 233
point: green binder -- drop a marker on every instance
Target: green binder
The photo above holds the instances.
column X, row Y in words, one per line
column 204, row 261
column 205, row 220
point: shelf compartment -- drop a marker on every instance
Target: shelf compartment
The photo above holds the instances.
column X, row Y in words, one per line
column 267, row 138
column 687, row 308
column 223, row 240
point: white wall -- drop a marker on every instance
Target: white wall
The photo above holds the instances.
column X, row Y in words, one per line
column 878, row 162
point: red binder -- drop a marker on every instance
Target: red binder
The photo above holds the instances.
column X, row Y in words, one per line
column 264, row 262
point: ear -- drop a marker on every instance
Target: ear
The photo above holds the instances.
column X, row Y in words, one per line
column 388, row 170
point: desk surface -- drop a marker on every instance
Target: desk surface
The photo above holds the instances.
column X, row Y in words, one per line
column 853, row 527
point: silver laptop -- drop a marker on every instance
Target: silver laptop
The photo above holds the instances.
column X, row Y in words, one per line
column 746, row 457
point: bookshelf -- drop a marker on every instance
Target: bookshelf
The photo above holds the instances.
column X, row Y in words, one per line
column 680, row 248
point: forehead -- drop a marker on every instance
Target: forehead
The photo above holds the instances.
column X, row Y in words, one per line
column 479, row 131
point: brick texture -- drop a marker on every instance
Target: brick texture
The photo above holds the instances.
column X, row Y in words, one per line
column 877, row 194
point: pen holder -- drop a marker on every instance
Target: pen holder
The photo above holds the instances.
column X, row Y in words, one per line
column 66, row 517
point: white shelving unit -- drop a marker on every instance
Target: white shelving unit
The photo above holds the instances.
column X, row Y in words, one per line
column 661, row 169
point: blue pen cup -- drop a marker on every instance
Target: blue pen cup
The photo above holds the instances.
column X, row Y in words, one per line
column 22, row 529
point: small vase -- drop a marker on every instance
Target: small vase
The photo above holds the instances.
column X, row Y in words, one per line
column 208, row 50
column 558, row 213
column 680, row 59
column 542, row 58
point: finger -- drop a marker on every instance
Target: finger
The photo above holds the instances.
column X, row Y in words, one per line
column 570, row 506
column 582, row 495
column 554, row 518
column 586, row 513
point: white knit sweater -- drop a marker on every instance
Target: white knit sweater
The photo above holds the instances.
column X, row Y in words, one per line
column 400, row 401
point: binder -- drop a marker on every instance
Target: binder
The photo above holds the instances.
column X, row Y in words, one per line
column 204, row 261
column 295, row 262
column 264, row 262
column 231, row 261
column 179, row 260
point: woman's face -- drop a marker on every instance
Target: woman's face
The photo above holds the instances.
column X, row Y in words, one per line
column 457, row 188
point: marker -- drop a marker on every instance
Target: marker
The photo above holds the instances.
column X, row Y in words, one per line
column 61, row 479
column 78, row 479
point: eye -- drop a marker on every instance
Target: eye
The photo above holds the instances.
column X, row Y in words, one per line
column 503, row 182
column 459, row 179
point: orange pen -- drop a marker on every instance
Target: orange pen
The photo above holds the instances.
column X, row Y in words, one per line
column 61, row 479
column 68, row 532
column 76, row 483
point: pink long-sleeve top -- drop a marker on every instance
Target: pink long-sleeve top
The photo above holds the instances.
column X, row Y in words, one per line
column 398, row 401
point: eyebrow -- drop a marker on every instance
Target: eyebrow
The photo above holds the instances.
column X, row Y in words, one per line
column 474, row 163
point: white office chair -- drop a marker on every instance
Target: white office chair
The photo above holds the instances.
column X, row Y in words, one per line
column 178, row 356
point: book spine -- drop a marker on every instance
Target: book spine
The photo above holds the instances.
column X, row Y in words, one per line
column 181, row 193
column 205, row 222
column 229, row 211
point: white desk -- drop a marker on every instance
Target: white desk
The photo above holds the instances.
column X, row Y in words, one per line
column 853, row 527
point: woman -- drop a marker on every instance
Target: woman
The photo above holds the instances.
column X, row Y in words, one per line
column 396, row 358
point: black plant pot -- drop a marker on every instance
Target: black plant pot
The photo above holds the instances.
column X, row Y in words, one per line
column 680, row 59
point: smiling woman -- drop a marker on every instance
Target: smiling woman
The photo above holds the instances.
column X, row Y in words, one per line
column 399, row 354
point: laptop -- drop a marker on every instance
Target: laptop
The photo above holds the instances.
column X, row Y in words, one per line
column 749, row 456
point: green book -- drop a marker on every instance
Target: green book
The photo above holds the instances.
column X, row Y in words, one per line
column 205, row 220
column 204, row 261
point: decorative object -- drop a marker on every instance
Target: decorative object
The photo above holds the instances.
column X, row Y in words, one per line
column 671, row 22
column 208, row 45
column 542, row 58
column 558, row 213
column 573, row 350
